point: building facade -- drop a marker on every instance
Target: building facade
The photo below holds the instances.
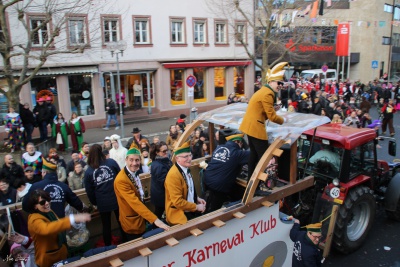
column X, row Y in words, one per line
column 374, row 37
column 166, row 42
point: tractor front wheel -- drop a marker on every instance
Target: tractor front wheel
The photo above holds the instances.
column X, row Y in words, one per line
column 355, row 218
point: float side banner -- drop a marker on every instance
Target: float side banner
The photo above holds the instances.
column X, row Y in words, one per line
column 342, row 40
column 254, row 240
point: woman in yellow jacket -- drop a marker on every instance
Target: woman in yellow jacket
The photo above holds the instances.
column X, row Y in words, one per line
column 47, row 230
column 133, row 213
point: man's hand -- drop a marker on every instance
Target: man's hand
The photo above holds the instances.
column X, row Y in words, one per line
column 201, row 201
column 201, row 207
column 296, row 221
column 162, row 225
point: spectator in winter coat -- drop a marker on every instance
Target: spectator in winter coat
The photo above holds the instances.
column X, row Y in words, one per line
column 22, row 189
column 75, row 158
column 11, row 170
column 181, row 122
column 365, row 105
column 137, row 137
column 33, row 158
column 75, row 178
column 8, row 195
column 42, row 118
column 352, row 120
column 388, row 110
column 28, row 120
column 159, row 168
column 99, row 185
column 172, row 137
column 111, row 114
column 316, row 109
column 30, row 177
column 52, row 110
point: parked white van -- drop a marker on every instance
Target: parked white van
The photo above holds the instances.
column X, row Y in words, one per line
column 331, row 74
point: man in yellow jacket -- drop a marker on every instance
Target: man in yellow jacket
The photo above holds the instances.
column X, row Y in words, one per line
column 133, row 213
column 181, row 200
column 260, row 109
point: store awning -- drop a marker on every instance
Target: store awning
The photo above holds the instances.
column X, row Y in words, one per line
column 61, row 71
column 177, row 65
column 67, row 70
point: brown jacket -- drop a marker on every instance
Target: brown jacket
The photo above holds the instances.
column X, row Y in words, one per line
column 260, row 108
column 176, row 191
column 132, row 212
column 45, row 236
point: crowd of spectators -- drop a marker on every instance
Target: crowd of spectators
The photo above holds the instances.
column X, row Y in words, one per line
column 343, row 102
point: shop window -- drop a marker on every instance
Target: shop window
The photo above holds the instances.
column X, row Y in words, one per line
column 238, row 82
column 200, row 89
column 111, row 29
column 78, row 30
column 144, row 77
column 177, row 86
column 178, row 31
column 44, row 83
column 81, row 95
column 220, row 83
column 142, row 30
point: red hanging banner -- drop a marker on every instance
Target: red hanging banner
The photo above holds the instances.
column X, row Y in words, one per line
column 342, row 40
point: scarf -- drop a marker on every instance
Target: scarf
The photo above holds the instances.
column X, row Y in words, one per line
column 136, row 182
column 62, row 239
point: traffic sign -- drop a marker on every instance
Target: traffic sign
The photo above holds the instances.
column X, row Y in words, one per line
column 324, row 68
column 191, row 81
column 374, row 64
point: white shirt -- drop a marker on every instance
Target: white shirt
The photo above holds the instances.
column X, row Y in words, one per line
column 190, row 196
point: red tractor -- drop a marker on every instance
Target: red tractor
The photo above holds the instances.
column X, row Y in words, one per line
column 347, row 173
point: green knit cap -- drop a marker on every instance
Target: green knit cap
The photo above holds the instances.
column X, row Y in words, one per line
column 185, row 148
column 134, row 150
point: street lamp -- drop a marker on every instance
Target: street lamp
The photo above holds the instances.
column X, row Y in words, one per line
column 118, row 48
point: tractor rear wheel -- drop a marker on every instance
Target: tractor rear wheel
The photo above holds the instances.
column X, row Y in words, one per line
column 355, row 218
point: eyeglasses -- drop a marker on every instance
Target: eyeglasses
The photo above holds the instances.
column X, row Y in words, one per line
column 164, row 151
column 316, row 236
column 43, row 202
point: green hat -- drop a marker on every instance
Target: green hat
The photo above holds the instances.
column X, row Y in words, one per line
column 185, row 148
column 47, row 165
column 235, row 137
column 133, row 150
column 315, row 227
